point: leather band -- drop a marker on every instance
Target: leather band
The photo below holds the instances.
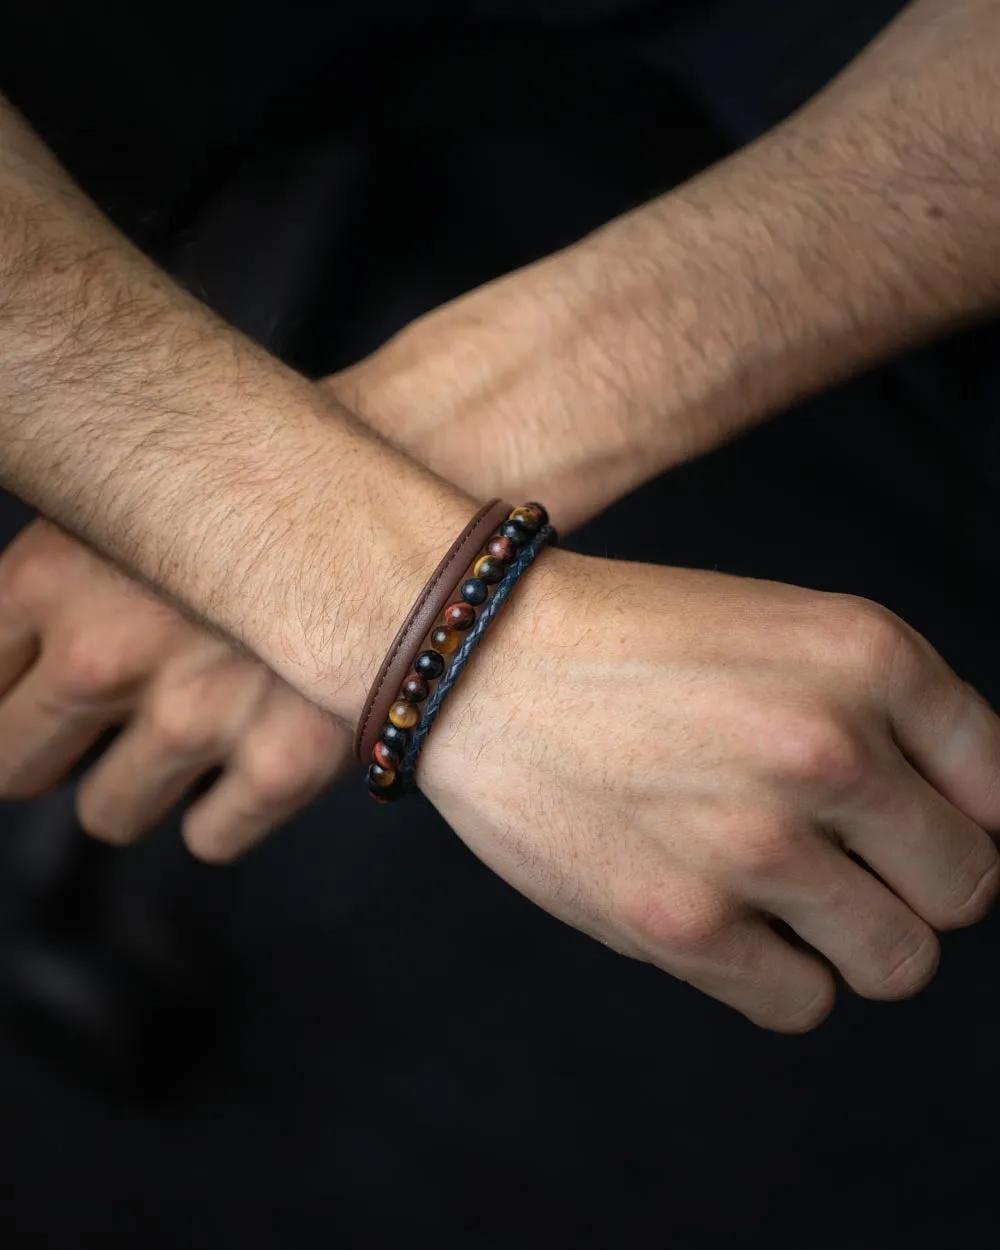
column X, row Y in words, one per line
column 431, row 602
column 501, row 593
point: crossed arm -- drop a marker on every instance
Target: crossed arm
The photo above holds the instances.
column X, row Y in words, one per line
column 137, row 421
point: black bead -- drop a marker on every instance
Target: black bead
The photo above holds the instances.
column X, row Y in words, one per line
column 396, row 739
column 515, row 531
column 474, row 591
column 414, row 689
column 386, row 794
column 429, row 664
column 490, row 569
column 541, row 512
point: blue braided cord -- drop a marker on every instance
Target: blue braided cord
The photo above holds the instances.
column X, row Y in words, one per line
column 474, row 637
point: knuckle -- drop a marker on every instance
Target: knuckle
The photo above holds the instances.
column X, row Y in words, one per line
column 281, row 774
column 908, row 967
column 185, row 724
column 99, row 813
column 763, row 848
column 97, row 822
column 871, row 637
column 31, row 571
column 809, row 1014
column 974, row 889
column 23, row 584
column 689, row 927
column 212, row 846
column 89, row 669
column 816, row 749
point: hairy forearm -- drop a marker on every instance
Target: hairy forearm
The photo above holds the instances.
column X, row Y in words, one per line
column 866, row 222
column 137, row 420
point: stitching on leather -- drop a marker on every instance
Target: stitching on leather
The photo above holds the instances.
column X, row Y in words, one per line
column 387, row 663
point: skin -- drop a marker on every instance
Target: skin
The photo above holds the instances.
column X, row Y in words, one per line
column 84, row 649
column 865, row 223
column 163, row 439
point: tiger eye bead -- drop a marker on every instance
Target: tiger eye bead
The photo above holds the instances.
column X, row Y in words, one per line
column 515, row 531
column 445, row 640
column 527, row 516
column 474, row 591
column 380, row 777
column 403, row 715
column 460, row 615
column 543, row 516
column 503, row 548
column 429, row 664
column 489, row 568
column 415, row 688
column 397, row 740
column 385, row 757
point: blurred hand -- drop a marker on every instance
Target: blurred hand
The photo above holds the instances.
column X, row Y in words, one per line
column 83, row 649
column 670, row 760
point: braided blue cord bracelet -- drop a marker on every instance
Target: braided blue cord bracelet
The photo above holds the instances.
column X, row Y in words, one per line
column 526, row 557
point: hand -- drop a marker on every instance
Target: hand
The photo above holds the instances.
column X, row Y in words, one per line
column 527, row 387
column 83, row 649
column 671, row 760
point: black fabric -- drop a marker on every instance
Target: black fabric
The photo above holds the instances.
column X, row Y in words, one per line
column 358, row 1036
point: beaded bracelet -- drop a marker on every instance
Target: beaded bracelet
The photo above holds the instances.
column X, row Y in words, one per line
column 508, row 554
column 499, row 597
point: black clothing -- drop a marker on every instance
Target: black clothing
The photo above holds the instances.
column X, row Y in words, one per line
column 388, row 1047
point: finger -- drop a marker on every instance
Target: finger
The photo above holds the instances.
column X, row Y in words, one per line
column 740, row 960
column 948, row 731
column 133, row 787
column 18, row 652
column 931, row 854
column 18, row 639
column 43, row 734
column 19, row 617
column 188, row 726
column 880, row 946
column 285, row 760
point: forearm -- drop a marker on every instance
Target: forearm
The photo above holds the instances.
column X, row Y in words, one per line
column 865, row 223
column 134, row 418
column 868, row 221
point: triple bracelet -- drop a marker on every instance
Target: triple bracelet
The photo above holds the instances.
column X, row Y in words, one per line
column 461, row 600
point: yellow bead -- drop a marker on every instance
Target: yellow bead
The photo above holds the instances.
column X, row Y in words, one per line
column 404, row 715
column 527, row 516
column 381, row 777
column 489, row 568
column 445, row 639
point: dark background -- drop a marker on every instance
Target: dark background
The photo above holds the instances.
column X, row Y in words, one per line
column 358, row 1037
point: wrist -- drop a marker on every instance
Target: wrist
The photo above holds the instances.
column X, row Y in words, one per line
column 348, row 576
column 137, row 420
column 514, row 674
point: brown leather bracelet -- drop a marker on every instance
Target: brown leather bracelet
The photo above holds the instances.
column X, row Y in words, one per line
column 429, row 605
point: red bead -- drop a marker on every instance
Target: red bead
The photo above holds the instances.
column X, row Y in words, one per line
column 415, row 689
column 502, row 548
column 460, row 615
column 385, row 757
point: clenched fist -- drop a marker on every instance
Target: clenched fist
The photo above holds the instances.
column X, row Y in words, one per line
column 83, row 649
column 671, row 760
